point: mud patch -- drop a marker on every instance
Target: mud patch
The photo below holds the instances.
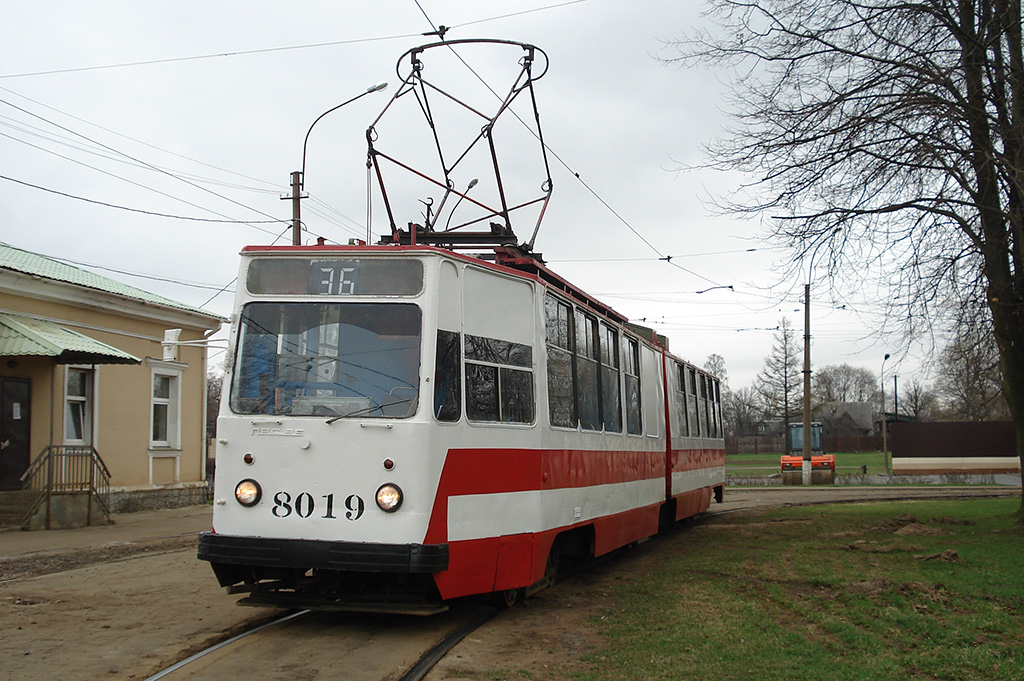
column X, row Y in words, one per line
column 905, row 525
column 947, row 556
column 950, row 520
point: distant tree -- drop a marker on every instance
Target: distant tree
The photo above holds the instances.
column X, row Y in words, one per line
column 844, row 383
column 741, row 411
column 779, row 382
column 214, row 381
column 969, row 382
column 919, row 401
column 715, row 365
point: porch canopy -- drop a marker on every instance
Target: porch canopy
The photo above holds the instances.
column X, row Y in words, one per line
column 22, row 336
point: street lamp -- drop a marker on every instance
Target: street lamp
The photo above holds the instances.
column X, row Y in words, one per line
column 805, row 477
column 299, row 176
column 885, row 448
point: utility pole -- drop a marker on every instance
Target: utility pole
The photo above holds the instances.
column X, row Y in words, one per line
column 885, row 448
column 296, row 210
column 806, row 468
column 895, row 397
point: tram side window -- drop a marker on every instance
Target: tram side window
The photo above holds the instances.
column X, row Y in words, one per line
column 499, row 380
column 611, row 398
column 691, row 402
column 588, row 381
column 559, row 336
column 681, row 424
column 717, row 409
column 631, row 371
column 702, row 405
column 448, row 377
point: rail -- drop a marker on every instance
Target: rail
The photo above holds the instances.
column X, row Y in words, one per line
column 65, row 470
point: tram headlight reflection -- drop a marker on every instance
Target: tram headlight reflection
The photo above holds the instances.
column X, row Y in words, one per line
column 248, row 492
column 389, row 497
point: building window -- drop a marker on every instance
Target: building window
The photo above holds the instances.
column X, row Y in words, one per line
column 78, row 410
column 165, row 405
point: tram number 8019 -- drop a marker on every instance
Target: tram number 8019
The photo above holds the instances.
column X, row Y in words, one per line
column 304, row 506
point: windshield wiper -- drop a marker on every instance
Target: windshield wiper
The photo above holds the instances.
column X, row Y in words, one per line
column 367, row 410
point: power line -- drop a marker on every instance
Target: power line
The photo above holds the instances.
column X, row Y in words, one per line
column 136, row 210
column 516, row 14
column 685, row 255
column 212, row 287
column 152, row 146
column 149, row 165
column 237, row 53
column 131, row 182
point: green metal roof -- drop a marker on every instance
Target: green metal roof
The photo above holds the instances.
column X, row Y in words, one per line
column 22, row 336
column 26, row 262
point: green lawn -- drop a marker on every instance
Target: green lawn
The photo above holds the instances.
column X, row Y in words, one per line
column 844, row 592
column 847, row 463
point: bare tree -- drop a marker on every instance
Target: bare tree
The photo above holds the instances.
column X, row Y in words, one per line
column 920, row 402
column 969, row 379
column 214, row 382
column 894, row 132
column 845, row 383
column 779, row 384
column 741, row 411
column 715, row 365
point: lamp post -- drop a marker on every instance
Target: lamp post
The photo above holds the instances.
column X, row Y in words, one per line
column 805, row 477
column 298, row 177
column 885, row 449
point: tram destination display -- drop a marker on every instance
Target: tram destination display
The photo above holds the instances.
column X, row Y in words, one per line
column 335, row 277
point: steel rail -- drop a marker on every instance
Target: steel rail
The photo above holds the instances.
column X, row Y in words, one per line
column 189, row 660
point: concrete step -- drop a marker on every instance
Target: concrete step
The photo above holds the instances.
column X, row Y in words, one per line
column 14, row 505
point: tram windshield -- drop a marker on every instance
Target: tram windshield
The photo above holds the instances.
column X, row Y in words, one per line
column 328, row 359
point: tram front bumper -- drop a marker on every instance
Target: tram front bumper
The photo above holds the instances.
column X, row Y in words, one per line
column 326, row 555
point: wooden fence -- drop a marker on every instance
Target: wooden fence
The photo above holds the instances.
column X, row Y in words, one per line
column 775, row 444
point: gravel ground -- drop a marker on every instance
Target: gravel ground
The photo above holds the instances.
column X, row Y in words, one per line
column 127, row 609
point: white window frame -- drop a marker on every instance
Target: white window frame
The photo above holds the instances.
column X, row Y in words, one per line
column 174, row 372
column 88, row 402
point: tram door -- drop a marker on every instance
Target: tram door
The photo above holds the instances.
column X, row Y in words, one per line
column 14, row 431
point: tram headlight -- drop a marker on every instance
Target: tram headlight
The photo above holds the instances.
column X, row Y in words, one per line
column 389, row 497
column 248, row 492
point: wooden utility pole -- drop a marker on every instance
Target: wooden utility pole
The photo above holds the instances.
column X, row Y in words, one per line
column 296, row 210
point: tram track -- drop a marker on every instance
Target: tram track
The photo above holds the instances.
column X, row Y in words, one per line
column 355, row 645
column 358, row 647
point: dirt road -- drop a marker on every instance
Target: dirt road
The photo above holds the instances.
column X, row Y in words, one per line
column 90, row 607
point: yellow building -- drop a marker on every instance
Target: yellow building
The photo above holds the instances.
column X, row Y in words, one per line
column 98, row 377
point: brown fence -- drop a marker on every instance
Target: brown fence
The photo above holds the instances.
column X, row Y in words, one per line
column 766, row 444
column 953, row 439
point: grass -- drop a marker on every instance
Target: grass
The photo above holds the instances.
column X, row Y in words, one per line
column 847, row 463
column 847, row 592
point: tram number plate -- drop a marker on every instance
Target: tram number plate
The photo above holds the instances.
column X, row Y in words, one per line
column 305, row 505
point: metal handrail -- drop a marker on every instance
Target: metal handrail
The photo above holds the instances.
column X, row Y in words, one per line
column 66, row 469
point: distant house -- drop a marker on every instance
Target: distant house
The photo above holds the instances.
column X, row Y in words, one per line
column 846, row 419
column 90, row 364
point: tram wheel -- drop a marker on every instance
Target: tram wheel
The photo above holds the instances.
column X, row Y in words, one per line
column 506, row 598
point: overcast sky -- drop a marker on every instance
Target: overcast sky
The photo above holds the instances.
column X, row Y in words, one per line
column 199, row 109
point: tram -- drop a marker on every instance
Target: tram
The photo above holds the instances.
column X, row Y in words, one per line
column 404, row 424
column 408, row 422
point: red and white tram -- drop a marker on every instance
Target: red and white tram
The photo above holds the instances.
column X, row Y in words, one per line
column 403, row 425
